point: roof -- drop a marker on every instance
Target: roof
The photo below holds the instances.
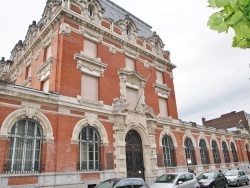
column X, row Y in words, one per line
column 116, row 13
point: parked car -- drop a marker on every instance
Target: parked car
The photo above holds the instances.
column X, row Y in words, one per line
column 212, row 179
column 236, row 177
column 176, row 180
column 123, row 183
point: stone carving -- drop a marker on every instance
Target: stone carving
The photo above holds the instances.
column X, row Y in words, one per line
column 65, row 29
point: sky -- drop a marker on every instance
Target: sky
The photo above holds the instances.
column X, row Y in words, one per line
column 211, row 77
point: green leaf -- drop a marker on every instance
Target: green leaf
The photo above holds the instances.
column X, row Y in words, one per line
column 235, row 17
column 212, row 3
column 243, row 44
column 233, row 3
column 221, row 3
column 244, row 2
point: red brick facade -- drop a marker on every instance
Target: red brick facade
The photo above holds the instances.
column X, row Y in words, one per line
column 62, row 112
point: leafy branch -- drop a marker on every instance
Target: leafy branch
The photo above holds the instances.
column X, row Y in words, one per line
column 233, row 14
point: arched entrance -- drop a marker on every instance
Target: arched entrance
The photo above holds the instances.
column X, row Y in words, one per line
column 134, row 155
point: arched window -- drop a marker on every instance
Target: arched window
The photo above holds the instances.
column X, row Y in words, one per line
column 248, row 152
column 128, row 30
column 25, row 147
column 190, row 152
column 225, row 152
column 215, row 151
column 203, row 152
column 89, row 149
column 168, row 151
column 234, row 152
column 91, row 10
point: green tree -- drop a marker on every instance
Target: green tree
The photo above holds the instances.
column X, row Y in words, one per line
column 233, row 14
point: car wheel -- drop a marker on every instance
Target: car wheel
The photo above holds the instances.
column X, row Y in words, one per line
column 226, row 186
column 247, row 182
column 238, row 184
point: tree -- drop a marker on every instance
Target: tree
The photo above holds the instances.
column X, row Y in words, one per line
column 233, row 14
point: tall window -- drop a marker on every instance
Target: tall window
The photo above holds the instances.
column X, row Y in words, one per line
column 28, row 72
column 89, row 87
column 159, row 77
column 132, row 97
column 190, row 152
column 25, row 147
column 45, row 85
column 130, row 64
column 225, row 152
column 168, row 151
column 91, row 10
column 234, row 152
column 215, row 151
column 48, row 52
column 163, row 107
column 90, row 49
column 89, row 149
column 203, row 152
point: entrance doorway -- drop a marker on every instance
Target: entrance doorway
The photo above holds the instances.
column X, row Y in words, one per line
column 134, row 155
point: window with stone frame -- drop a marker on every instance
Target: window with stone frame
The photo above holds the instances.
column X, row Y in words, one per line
column 25, row 147
column 89, row 149
column 163, row 106
column 204, row 152
column 159, row 77
column 130, row 64
column 28, row 72
column 215, row 151
column 168, row 151
column 234, row 152
column 225, row 152
column 132, row 96
column 89, row 87
column 48, row 53
column 91, row 10
column 90, row 49
column 45, row 85
column 190, row 152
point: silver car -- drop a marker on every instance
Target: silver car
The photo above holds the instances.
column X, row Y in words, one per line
column 236, row 177
column 176, row 180
column 122, row 183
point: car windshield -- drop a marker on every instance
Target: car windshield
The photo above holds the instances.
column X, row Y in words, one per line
column 167, row 178
column 231, row 173
column 108, row 183
column 208, row 175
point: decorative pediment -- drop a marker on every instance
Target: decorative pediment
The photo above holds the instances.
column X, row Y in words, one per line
column 27, row 82
column 44, row 70
column 90, row 65
column 130, row 52
column 31, row 33
column 92, row 10
column 50, row 10
column 128, row 27
column 162, row 90
column 131, row 77
column 156, row 42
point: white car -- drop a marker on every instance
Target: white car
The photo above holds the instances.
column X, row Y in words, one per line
column 236, row 177
column 176, row 180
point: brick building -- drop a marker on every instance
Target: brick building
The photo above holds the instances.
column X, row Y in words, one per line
column 231, row 121
column 89, row 95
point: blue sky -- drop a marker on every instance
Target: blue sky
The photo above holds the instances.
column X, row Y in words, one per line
column 211, row 77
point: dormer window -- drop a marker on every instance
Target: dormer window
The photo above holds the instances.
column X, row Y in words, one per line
column 91, row 10
column 128, row 30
